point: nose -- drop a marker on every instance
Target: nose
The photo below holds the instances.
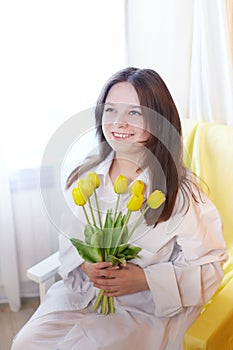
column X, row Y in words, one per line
column 121, row 120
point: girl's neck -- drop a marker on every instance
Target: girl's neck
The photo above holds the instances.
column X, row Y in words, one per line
column 126, row 167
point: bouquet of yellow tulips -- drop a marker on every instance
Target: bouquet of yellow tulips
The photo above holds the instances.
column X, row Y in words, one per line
column 108, row 241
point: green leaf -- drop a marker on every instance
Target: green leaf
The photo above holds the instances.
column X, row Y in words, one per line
column 129, row 252
column 88, row 232
column 124, row 237
column 108, row 220
column 87, row 252
column 108, row 237
column 115, row 235
column 97, row 239
column 117, row 261
column 124, row 218
column 119, row 220
column 130, row 257
column 132, row 250
column 122, row 247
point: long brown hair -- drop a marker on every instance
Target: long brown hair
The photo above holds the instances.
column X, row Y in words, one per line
column 164, row 156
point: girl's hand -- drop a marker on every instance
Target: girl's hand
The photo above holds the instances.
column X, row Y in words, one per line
column 97, row 270
column 120, row 281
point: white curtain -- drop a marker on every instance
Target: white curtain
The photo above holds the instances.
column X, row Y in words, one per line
column 55, row 57
column 190, row 44
column 211, row 82
column 8, row 249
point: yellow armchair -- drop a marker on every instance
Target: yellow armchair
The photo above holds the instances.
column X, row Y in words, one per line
column 208, row 151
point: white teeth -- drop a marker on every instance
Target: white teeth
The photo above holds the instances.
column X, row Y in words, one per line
column 123, row 136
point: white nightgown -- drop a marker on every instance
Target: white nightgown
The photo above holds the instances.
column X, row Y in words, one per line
column 182, row 259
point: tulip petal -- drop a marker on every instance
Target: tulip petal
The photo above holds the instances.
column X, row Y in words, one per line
column 86, row 187
column 156, row 199
column 137, row 187
column 94, row 179
column 135, row 202
column 79, row 197
column 120, row 184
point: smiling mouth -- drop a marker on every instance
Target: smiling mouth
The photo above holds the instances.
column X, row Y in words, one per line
column 117, row 135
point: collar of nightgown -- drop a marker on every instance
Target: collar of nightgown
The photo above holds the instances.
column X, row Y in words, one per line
column 103, row 171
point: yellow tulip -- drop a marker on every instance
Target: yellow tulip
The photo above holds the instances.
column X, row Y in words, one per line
column 94, row 179
column 120, row 184
column 137, row 187
column 86, row 187
column 135, row 202
column 79, row 197
column 155, row 199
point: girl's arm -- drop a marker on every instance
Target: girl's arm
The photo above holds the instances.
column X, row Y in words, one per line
column 195, row 270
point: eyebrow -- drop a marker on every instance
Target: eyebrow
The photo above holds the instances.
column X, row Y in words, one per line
column 109, row 103
column 118, row 103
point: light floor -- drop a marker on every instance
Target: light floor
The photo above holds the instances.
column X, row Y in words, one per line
column 11, row 322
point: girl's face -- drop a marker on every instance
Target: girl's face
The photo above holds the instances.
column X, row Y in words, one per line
column 123, row 122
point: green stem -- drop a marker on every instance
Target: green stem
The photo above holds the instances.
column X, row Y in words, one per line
column 111, row 305
column 138, row 222
column 85, row 213
column 104, row 305
column 91, row 210
column 116, row 209
column 98, row 209
column 98, row 299
column 122, row 231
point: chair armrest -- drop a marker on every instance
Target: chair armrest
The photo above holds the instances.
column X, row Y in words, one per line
column 213, row 329
column 44, row 272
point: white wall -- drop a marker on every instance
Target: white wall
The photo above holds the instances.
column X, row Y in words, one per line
column 153, row 29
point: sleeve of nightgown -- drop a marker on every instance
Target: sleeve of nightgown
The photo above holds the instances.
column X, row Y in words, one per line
column 70, row 270
column 195, row 270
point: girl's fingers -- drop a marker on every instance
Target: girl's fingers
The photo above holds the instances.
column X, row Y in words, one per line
column 105, row 285
column 102, row 265
column 101, row 269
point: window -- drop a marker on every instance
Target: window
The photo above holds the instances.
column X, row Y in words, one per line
column 57, row 55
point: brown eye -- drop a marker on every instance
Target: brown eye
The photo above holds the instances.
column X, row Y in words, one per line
column 110, row 110
column 134, row 112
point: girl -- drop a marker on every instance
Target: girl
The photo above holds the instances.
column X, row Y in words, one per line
column 160, row 294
